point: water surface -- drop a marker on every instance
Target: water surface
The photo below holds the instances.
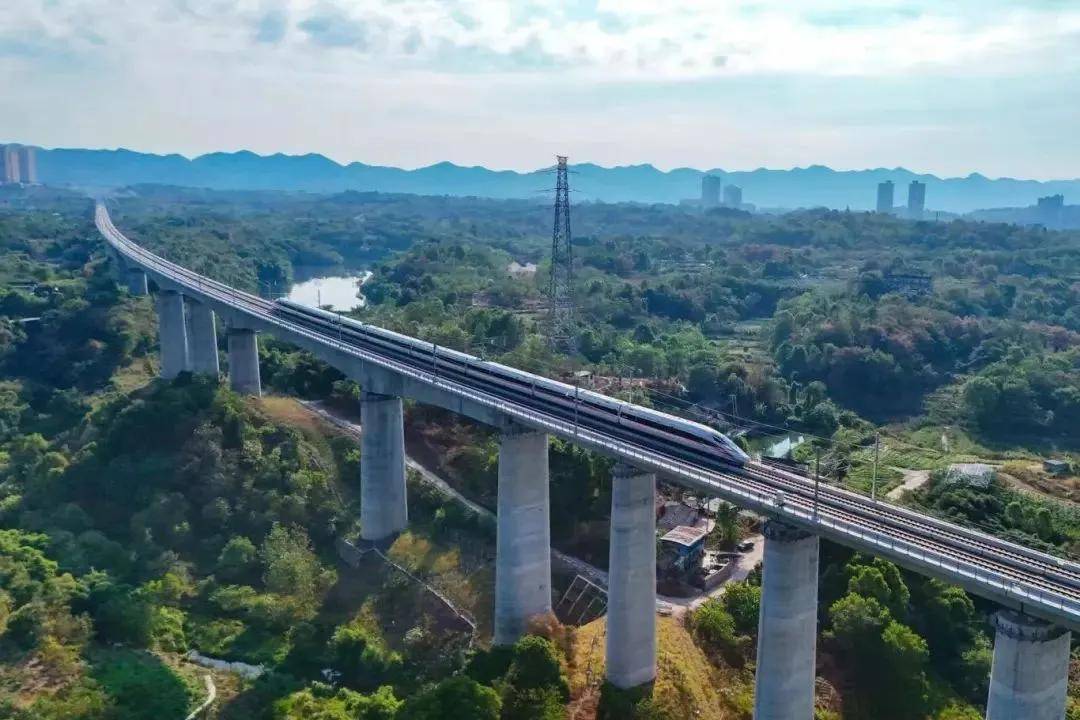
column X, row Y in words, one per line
column 340, row 293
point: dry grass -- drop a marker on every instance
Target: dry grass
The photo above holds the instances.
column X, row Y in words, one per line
column 288, row 411
column 139, row 373
column 687, row 684
column 469, row 584
column 1030, row 477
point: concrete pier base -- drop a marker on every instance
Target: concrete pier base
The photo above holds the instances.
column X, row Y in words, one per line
column 202, row 339
column 136, row 282
column 1030, row 675
column 172, row 333
column 383, row 501
column 523, row 544
column 787, row 625
column 631, row 612
column 244, row 375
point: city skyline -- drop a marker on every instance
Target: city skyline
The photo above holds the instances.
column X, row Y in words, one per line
column 738, row 85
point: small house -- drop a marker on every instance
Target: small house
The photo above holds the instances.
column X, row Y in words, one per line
column 1057, row 468
column 685, row 546
column 670, row 514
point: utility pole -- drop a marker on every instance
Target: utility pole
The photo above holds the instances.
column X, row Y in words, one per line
column 873, row 481
column 560, row 288
column 576, row 403
column 817, row 478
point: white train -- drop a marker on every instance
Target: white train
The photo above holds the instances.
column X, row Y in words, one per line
column 669, row 432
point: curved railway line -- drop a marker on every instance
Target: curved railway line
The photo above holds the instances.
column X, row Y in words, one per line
column 1019, row 577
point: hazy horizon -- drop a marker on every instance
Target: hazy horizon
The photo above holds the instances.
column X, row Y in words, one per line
column 528, row 170
column 991, row 86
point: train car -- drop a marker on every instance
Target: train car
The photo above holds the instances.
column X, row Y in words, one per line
column 687, row 431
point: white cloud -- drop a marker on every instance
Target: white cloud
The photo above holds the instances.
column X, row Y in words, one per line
column 498, row 81
column 622, row 39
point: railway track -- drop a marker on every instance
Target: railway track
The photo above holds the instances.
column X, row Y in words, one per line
column 1046, row 585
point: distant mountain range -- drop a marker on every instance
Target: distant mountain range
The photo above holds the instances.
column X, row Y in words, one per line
column 800, row 187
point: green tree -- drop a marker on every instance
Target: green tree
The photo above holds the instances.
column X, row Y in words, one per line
column 905, row 655
column 869, row 582
column 743, row 602
column 5, row 611
column 981, row 397
column 361, row 655
column 533, row 704
column 857, row 621
column 237, row 558
column 949, row 619
column 714, row 628
column 459, row 697
column 535, row 687
column 727, row 525
column 321, row 703
column 879, row 579
column 959, row 712
column 291, row 568
column 120, row 613
column 535, row 663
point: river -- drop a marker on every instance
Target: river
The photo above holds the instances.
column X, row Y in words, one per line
column 341, row 293
column 781, row 447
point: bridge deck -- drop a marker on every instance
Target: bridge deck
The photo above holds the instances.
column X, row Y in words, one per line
column 1015, row 576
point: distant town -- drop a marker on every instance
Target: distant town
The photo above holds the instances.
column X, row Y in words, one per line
column 1049, row 211
column 20, row 164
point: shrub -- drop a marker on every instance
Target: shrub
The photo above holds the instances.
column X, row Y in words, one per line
column 535, row 664
column 743, row 602
column 236, row 559
column 714, row 628
column 460, row 697
column 362, row 657
column 167, row 629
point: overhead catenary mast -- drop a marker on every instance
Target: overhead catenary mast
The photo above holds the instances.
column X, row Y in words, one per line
column 560, row 290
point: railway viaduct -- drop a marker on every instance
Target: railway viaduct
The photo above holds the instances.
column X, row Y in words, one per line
column 1040, row 594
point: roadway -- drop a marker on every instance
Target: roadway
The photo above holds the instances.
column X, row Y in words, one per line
column 1018, row 577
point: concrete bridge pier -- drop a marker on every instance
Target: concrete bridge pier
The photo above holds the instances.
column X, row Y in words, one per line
column 172, row 332
column 136, row 281
column 189, row 330
column 631, row 611
column 523, row 543
column 383, row 500
column 787, row 625
column 244, row 362
column 1030, row 675
column 202, row 339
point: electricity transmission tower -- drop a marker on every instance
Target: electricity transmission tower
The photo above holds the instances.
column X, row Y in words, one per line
column 562, row 266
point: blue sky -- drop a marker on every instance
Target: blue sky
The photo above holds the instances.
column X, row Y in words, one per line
column 949, row 87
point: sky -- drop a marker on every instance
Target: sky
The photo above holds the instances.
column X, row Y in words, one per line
column 949, row 87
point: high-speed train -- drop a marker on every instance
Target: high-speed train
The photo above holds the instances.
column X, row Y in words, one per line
column 674, row 435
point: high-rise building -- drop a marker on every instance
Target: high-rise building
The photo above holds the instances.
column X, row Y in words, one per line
column 1050, row 209
column 885, row 197
column 10, row 155
column 710, row 191
column 733, row 196
column 28, row 164
column 916, row 200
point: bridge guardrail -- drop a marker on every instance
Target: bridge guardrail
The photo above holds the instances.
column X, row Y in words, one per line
column 794, row 509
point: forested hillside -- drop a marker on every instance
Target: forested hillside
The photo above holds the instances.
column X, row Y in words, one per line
column 811, row 186
column 144, row 519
